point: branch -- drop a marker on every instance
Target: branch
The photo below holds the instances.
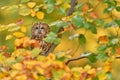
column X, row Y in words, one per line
column 73, row 3
column 70, row 11
column 74, row 59
column 81, row 57
column 118, row 57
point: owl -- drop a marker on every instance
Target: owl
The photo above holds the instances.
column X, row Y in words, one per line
column 39, row 32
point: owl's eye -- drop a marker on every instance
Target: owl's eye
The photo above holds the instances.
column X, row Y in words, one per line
column 36, row 28
column 42, row 27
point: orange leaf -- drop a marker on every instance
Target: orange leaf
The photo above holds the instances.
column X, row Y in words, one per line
column 40, row 15
column 117, row 50
column 18, row 42
column 85, row 7
column 34, row 44
column 103, row 39
column 93, row 15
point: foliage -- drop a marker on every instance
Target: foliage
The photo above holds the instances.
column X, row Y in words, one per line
column 24, row 63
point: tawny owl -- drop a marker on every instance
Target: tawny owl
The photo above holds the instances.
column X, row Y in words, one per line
column 39, row 32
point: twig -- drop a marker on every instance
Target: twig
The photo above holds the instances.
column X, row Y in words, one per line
column 118, row 57
column 81, row 57
column 74, row 59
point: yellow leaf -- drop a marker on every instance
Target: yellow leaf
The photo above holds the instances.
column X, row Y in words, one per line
column 92, row 71
column 59, row 2
column 41, row 71
column 17, row 66
column 21, row 77
column 87, row 67
column 35, row 75
column 31, row 4
column 18, row 34
column 102, row 76
column 18, row 42
column 40, row 15
column 4, row 7
column 8, row 37
column 33, row 13
column 23, row 29
column 66, row 5
column 14, row 73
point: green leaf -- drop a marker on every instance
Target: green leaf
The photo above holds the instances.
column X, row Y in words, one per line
column 113, row 49
column 87, row 25
column 52, row 38
column 109, row 76
column 24, row 11
column 118, row 8
column 102, row 48
column 79, row 6
column 36, row 52
column 50, row 1
column 117, row 21
column 61, row 10
column 50, row 8
column 99, row 22
column 107, row 10
column 24, row 1
column 57, row 74
column 92, row 57
column 82, row 39
column 19, row 58
column 96, row 78
column 78, row 21
column 114, row 41
column 102, row 56
column 108, row 24
column 93, row 29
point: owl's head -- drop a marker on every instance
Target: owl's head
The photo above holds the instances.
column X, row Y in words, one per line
column 40, row 29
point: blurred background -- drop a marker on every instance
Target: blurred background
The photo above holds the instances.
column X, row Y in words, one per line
column 8, row 16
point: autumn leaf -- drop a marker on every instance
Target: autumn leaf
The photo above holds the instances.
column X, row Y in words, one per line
column 85, row 7
column 93, row 15
column 66, row 5
column 40, row 15
column 3, row 48
column 33, row 13
column 18, row 42
column 23, row 29
column 31, row 4
column 40, row 70
column 117, row 50
column 18, row 34
column 19, row 21
column 34, row 44
column 17, row 66
column 103, row 39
